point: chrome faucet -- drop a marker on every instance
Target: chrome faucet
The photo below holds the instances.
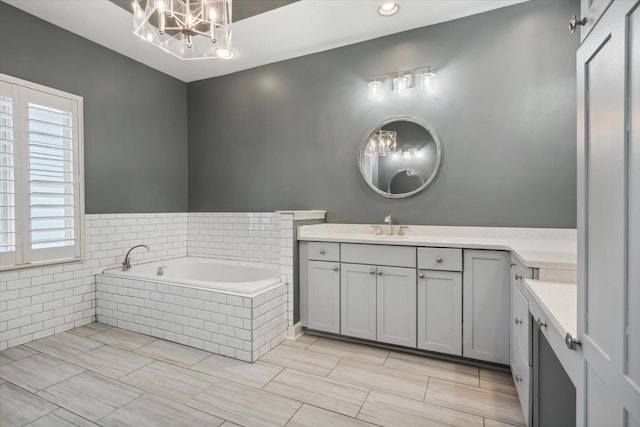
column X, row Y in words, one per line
column 126, row 264
column 389, row 220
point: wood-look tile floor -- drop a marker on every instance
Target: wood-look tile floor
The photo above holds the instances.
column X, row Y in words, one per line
column 98, row 375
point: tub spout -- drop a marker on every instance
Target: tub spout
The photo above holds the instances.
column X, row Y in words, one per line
column 126, row 264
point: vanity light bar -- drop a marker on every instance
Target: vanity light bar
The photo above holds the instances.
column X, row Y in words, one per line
column 402, row 80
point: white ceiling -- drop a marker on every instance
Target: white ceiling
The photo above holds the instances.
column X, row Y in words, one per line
column 301, row 28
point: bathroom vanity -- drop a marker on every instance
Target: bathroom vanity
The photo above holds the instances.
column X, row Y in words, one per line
column 489, row 295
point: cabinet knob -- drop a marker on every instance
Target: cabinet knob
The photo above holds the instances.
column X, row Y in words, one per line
column 518, row 321
column 571, row 342
column 513, row 264
column 518, row 277
column 574, row 22
column 322, row 251
column 541, row 323
column 372, row 271
column 439, row 259
column 335, row 268
column 379, row 272
column 518, row 378
column 421, row 275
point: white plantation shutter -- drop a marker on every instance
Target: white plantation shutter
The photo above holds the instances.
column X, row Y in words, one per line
column 48, row 175
column 8, row 94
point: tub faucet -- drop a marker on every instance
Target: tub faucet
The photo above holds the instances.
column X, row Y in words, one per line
column 126, row 264
column 389, row 220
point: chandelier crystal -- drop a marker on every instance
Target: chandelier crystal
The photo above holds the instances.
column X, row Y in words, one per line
column 381, row 143
column 188, row 29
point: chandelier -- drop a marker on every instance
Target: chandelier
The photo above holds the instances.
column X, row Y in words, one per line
column 188, row 29
column 381, row 143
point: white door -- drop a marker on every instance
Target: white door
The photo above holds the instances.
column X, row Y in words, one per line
column 608, row 219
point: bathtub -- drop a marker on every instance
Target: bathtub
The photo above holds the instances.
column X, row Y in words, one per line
column 205, row 273
column 236, row 309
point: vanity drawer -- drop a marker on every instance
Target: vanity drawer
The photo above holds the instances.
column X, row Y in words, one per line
column 324, row 251
column 398, row 256
column 440, row 259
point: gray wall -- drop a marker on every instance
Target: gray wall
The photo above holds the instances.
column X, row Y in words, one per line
column 285, row 135
column 135, row 118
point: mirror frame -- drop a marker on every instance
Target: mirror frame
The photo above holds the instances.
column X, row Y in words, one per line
column 381, row 124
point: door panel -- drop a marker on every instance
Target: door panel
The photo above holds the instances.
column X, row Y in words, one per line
column 358, row 301
column 440, row 311
column 323, row 298
column 396, row 305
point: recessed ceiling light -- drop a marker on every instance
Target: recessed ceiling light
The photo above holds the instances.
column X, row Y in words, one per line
column 225, row 53
column 388, row 8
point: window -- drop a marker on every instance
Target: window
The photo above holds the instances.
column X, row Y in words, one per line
column 41, row 177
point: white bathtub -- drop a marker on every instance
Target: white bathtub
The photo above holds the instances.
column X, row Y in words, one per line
column 236, row 309
column 205, row 273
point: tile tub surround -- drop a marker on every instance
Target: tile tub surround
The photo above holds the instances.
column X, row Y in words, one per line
column 162, row 383
column 243, row 327
column 39, row 301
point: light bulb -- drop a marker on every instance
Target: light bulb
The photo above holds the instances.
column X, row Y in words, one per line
column 374, row 90
column 420, row 153
column 388, row 9
column 225, row 53
column 400, row 85
column 427, row 80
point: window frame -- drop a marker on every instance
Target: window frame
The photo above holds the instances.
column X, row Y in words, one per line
column 22, row 257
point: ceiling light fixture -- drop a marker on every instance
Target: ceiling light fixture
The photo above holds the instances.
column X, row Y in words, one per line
column 388, row 8
column 381, row 143
column 188, row 29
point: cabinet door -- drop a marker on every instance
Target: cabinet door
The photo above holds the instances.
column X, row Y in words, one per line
column 486, row 305
column 323, row 296
column 440, row 311
column 608, row 77
column 358, row 301
column 592, row 10
column 396, row 305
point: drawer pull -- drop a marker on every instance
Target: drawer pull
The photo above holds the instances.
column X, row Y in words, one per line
column 571, row 342
column 372, row 271
column 421, row 275
column 379, row 272
column 518, row 321
column 439, row 260
column 335, row 268
column 541, row 323
column 322, row 251
column 513, row 264
column 518, row 277
column 518, row 378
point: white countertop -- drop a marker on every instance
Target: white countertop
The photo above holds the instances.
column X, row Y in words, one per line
column 535, row 247
column 558, row 301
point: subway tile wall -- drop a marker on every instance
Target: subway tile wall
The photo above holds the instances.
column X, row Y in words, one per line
column 40, row 301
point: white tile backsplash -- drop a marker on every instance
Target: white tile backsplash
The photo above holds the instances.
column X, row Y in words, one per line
column 40, row 301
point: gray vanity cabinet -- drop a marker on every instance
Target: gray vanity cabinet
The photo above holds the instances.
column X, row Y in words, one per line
column 358, row 301
column 440, row 311
column 486, row 305
column 323, row 301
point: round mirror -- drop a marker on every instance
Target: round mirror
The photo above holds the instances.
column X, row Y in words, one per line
column 399, row 157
